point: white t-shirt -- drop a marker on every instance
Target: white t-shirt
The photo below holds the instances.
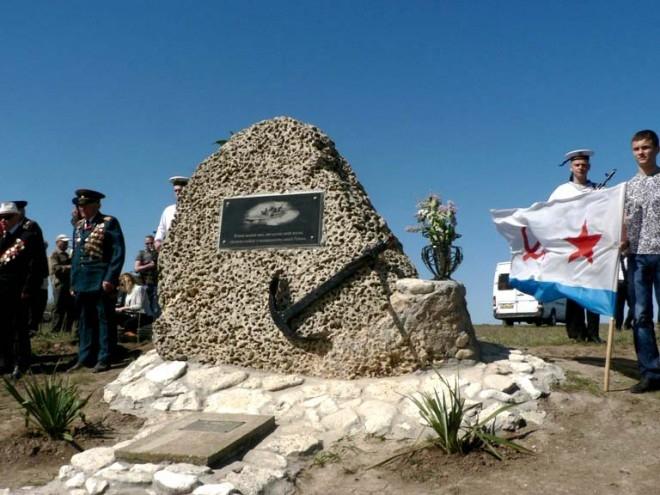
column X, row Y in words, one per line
column 165, row 222
column 570, row 190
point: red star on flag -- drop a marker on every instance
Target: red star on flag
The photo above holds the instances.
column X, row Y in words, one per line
column 584, row 244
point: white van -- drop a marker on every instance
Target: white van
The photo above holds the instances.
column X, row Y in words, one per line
column 511, row 305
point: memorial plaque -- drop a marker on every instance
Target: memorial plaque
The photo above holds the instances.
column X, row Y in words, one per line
column 200, row 438
column 269, row 221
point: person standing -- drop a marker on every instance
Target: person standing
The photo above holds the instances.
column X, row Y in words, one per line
column 98, row 257
column 577, row 184
column 60, row 272
column 146, row 266
column 642, row 244
column 178, row 183
column 20, row 250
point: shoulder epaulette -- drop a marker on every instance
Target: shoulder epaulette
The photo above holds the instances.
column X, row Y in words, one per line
column 27, row 224
column 80, row 223
column 108, row 218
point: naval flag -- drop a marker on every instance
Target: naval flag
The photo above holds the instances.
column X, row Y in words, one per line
column 567, row 248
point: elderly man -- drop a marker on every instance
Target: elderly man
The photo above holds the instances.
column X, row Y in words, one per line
column 577, row 184
column 178, row 183
column 60, row 272
column 20, row 252
column 98, row 257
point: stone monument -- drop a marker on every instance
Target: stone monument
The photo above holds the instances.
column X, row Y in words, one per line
column 277, row 260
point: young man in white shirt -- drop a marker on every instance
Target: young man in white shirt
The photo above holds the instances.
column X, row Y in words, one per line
column 178, row 183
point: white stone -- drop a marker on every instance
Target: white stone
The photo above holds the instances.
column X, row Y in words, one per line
column 280, row 382
column 187, row 402
column 521, row 367
column 472, row 390
column 377, row 416
column 76, row 481
column 253, row 480
column 92, row 460
column 123, row 444
column 293, row 445
column 209, row 380
column 345, row 422
column 125, row 476
column 344, row 390
column 95, row 486
column 165, row 373
column 327, row 406
column 216, row 489
column 316, row 390
column 174, row 389
column 252, row 382
column 162, row 404
column 109, row 395
column 265, row 459
column 240, row 401
column 414, row 286
column 490, row 393
column 517, row 357
column 77, row 491
column 382, row 390
column 140, row 390
column 174, row 483
column 147, row 467
column 503, row 383
column 526, row 385
column 66, row 471
column 187, row 468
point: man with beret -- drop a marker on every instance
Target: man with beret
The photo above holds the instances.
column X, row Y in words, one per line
column 178, row 183
column 21, row 250
column 578, row 184
column 60, row 272
column 98, row 257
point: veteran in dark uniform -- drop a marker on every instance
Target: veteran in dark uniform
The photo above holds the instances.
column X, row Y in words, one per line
column 32, row 309
column 98, row 258
column 20, row 252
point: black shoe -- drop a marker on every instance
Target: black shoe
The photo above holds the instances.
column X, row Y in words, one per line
column 75, row 367
column 595, row 339
column 100, row 367
column 644, row 385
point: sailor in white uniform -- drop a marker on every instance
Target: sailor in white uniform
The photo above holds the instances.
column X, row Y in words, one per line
column 178, row 183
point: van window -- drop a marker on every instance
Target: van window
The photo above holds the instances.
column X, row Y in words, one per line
column 503, row 282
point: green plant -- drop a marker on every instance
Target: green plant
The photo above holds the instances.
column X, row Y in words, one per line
column 446, row 415
column 53, row 404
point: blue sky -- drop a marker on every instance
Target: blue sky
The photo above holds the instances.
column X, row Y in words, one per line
column 476, row 101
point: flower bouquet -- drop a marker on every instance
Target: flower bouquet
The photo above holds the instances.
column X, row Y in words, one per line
column 437, row 222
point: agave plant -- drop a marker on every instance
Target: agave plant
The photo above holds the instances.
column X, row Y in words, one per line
column 446, row 415
column 53, row 404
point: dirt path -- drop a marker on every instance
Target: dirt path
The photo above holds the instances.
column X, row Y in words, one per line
column 590, row 443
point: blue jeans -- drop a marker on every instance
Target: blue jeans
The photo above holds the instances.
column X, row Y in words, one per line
column 644, row 273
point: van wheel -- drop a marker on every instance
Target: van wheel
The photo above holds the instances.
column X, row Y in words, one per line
column 508, row 323
column 552, row 321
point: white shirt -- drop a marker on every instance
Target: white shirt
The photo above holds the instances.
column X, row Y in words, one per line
column 137, row 300
column 165, row 222
column 570, row 190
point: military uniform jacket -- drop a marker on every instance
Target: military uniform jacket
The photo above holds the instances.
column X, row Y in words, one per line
column 98, row 253
column 21, row 256
column 60, row 269
column 40, row 262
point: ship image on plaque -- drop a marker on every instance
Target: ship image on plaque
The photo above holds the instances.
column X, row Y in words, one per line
column 274, row 220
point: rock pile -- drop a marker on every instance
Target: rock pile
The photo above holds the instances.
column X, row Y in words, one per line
column 311, row 414
column 216, row 301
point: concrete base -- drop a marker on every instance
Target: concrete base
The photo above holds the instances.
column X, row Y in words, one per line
column 200, row 438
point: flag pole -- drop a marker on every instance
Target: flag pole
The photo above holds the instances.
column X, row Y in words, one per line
column 608, row 355
column 610, row 331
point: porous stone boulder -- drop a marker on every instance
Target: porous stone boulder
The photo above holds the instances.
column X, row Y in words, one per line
column 215, row 302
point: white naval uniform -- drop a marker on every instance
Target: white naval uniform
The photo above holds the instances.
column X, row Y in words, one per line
column 165, row 222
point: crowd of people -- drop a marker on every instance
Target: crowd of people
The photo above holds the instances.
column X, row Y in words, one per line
column 89, row 291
